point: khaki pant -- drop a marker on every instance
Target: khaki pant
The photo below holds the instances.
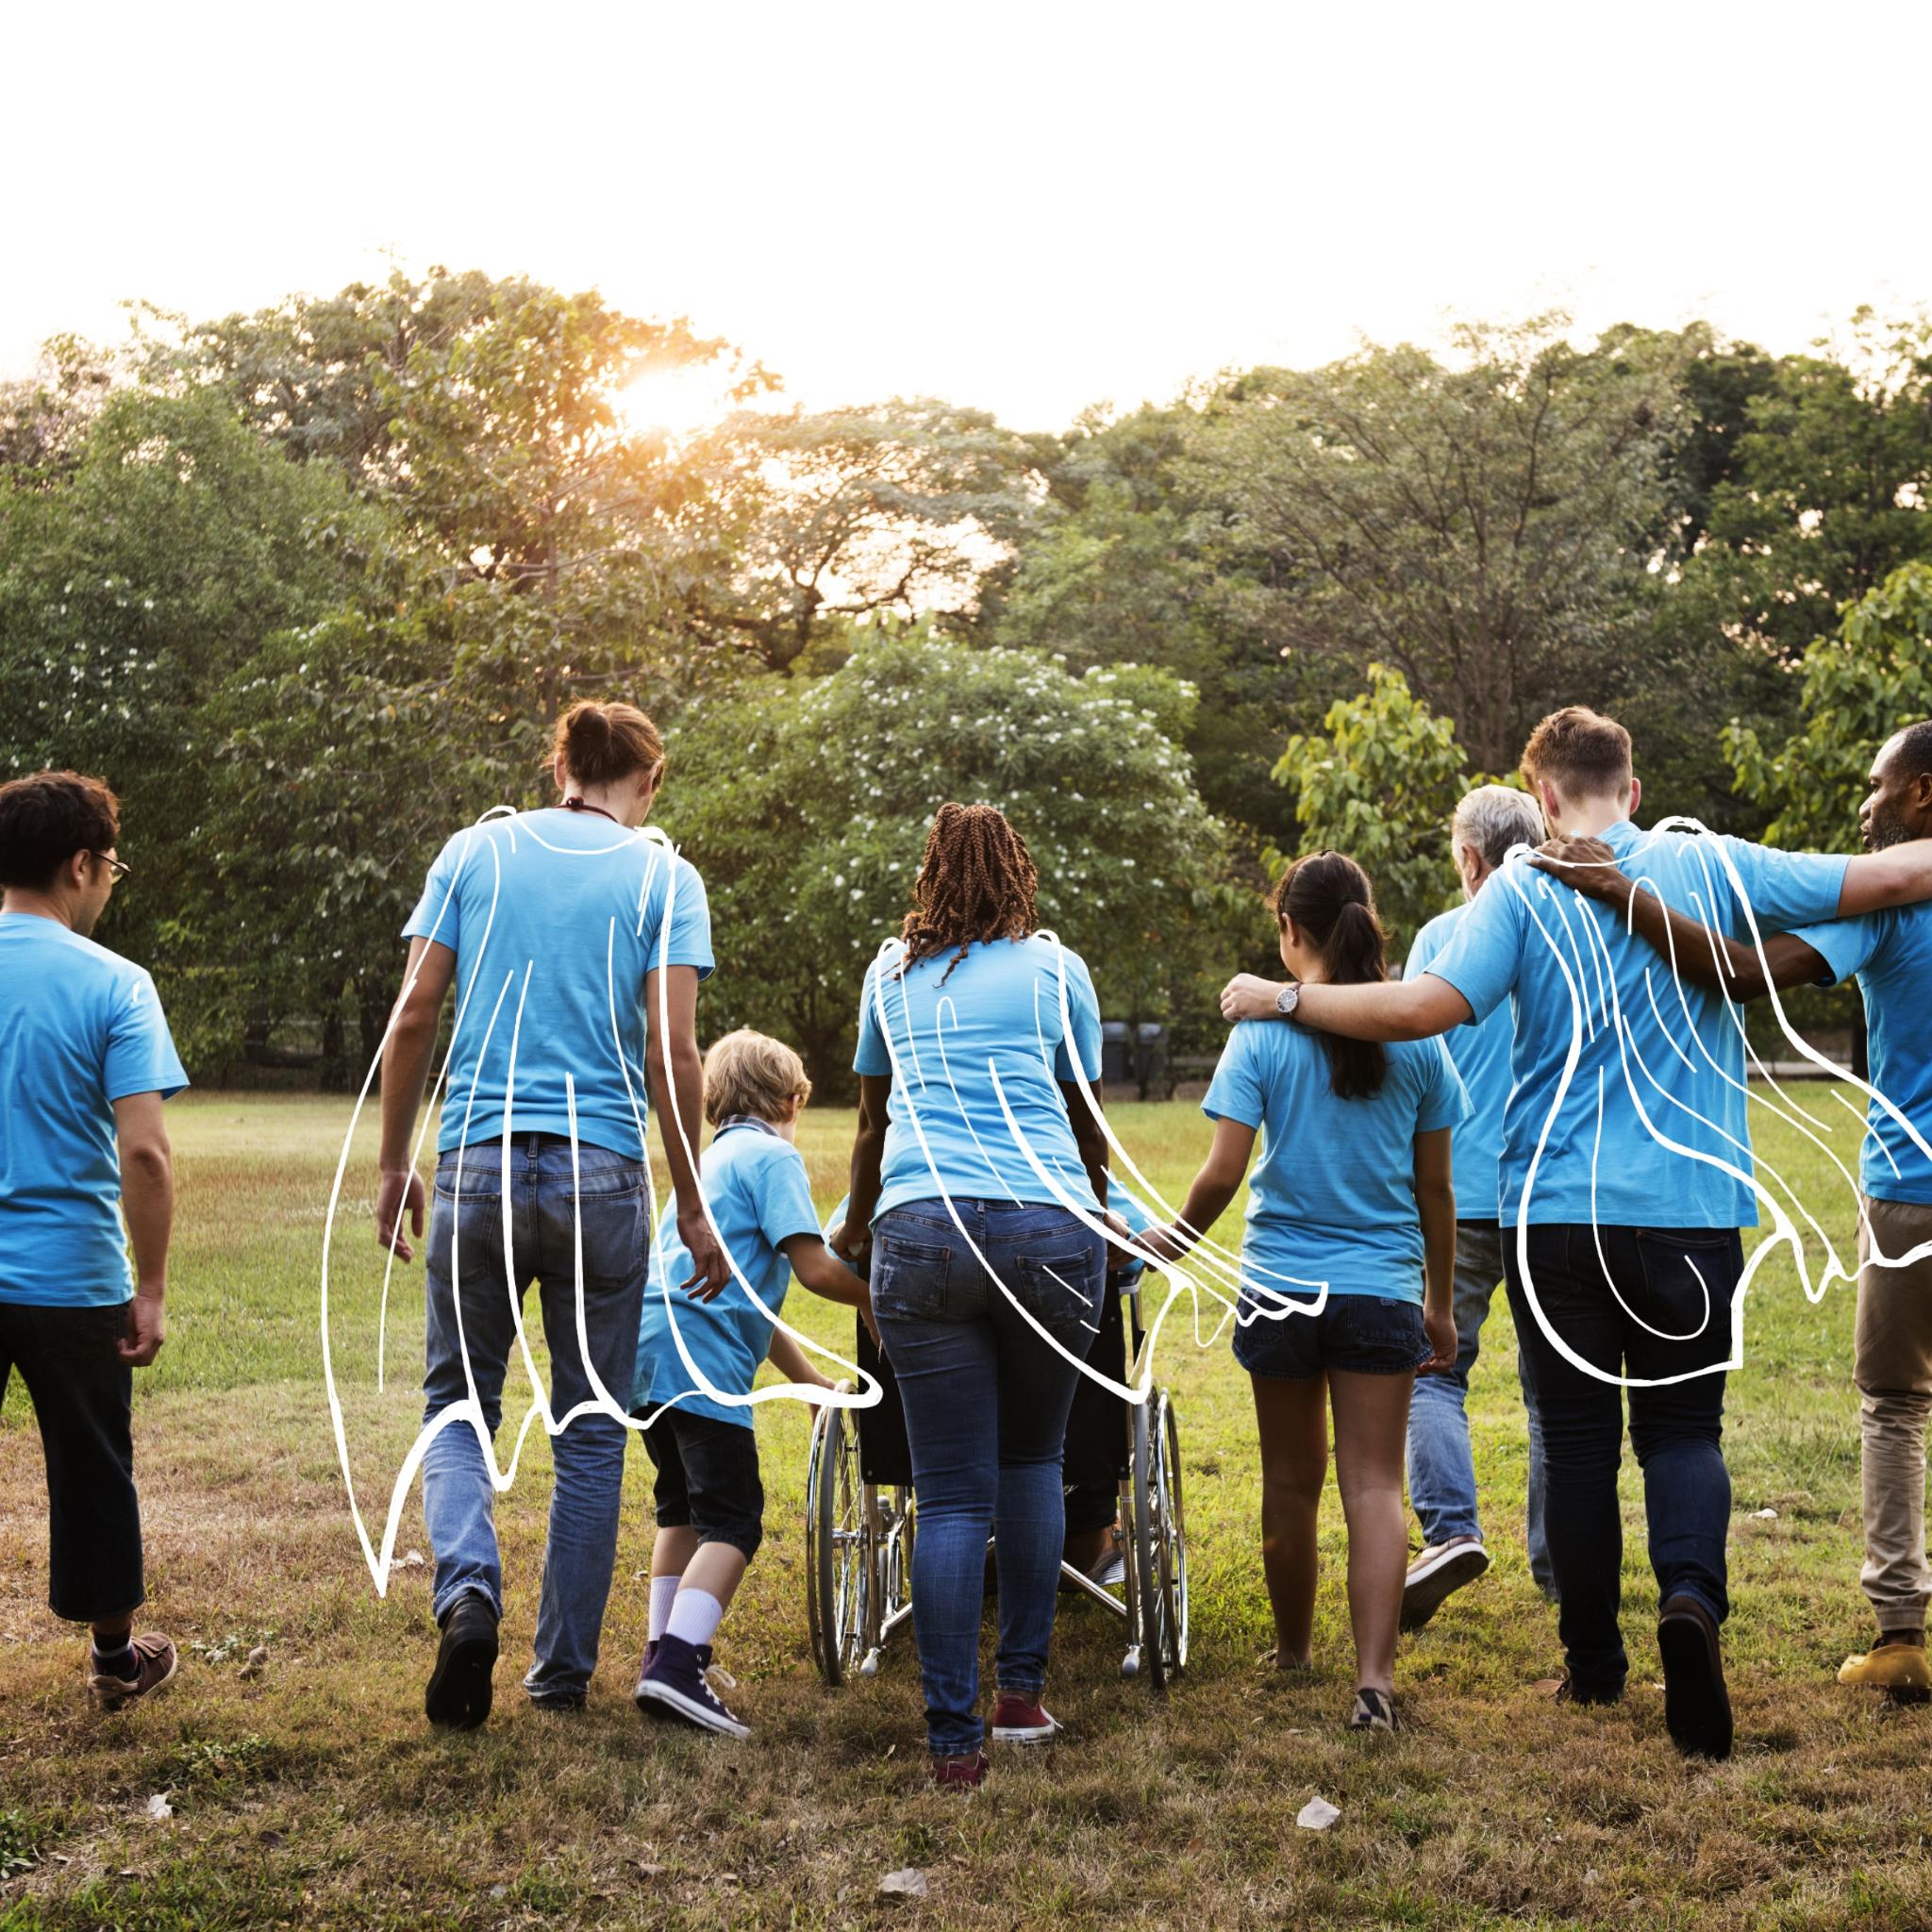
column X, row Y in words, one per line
column 1894, row 1376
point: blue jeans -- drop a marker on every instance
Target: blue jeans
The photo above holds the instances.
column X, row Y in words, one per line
column 986, row 1402
column 1658, row 1303
column 1441, row 1473
column 467, row 1279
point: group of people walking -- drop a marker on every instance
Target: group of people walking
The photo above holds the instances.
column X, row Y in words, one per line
column 1550, row 1099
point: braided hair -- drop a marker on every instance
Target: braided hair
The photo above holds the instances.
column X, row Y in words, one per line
column 977, row 882
column 1330, row 900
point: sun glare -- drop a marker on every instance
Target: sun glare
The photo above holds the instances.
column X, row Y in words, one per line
column 676, row 402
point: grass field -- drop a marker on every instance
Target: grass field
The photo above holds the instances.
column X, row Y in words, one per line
column 314, row 1794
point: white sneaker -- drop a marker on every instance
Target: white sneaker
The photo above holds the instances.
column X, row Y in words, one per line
column 1437, row 1573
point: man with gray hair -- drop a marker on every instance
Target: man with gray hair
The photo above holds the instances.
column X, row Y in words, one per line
column 1490, row 822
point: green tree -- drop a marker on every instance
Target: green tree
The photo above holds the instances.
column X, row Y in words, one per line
column 1380, row 784
column 138, row 573
column 805, row 809
column 1865, row 681
column 900, row 507
column 1484, row 525
column 1125, row 564
column 1830, row 492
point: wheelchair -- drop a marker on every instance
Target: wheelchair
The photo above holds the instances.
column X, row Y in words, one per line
column 861, row 1517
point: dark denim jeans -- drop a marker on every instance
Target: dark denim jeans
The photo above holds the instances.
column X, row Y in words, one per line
column 1658, row 1303
column 473, row 1312
column 986, row 1402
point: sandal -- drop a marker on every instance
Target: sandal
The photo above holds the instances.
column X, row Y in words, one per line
column 1374, row 1711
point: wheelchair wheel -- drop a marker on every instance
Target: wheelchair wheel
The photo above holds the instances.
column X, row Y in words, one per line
column 1160, row 1540
column 838, row 1549
column 891, row 1599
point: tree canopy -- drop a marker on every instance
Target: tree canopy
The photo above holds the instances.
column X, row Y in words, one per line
column 310, row 584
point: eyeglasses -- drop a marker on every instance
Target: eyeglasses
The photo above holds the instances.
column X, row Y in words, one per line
column 118, row 867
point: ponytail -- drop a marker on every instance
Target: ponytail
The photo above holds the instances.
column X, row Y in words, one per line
column 1328, row 898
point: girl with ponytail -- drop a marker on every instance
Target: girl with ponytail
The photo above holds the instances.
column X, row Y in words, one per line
column 1346, row 1264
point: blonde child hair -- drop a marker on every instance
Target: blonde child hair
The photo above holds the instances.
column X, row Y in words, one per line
column 751, row 1072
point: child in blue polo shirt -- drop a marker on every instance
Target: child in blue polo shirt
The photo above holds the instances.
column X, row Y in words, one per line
column 696, row 1361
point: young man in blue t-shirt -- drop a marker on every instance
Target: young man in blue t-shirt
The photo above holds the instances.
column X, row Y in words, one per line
column 84, row 1063
column 1625, row 1171
column 1890, row 954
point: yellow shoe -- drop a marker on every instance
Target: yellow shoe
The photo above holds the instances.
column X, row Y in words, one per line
column 1901, row 1668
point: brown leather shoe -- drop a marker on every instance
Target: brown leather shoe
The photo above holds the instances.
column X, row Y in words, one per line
column 155, row 1664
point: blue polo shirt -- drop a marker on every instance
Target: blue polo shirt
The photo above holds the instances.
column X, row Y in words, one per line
column 1576, row 1145
column 1890, row 954
column 958, row 1035
column 556, row 917
column 754, row 1183
column 80, row 1028
column 1332, row 1199
column 1480, row 1049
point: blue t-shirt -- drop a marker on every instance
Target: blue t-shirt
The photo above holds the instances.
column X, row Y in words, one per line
column 80, row 1028
column 1332, row 1198
column 993, row 1027
column 556, row 917
column 1578, row 981
column 756, row 1185
column 1481, row 1051
column 1890, row 953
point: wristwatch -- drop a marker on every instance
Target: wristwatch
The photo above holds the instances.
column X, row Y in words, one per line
column 1288, row 999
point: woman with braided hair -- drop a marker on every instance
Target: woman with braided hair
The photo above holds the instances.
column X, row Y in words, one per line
column 975, row 1032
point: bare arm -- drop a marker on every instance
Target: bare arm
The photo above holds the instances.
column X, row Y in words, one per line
column 1900, row 875
column 1213, row 1188
column 868, row 1157
column 793, row 1363
column 676, row 1074
column 147, row 1201
column 1384, row 1010
column 1701, row 954
column 406, row 1058
column 828, row 1277
column 1434, row 1200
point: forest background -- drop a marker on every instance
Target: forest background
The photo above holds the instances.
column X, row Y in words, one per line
column 309, row 586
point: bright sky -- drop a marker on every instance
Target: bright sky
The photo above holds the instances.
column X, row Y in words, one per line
column 1026, row 207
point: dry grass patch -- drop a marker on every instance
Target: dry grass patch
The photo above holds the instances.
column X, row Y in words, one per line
column 313, row 1794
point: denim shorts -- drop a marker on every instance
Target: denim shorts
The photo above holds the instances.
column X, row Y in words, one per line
column 1359, row 1334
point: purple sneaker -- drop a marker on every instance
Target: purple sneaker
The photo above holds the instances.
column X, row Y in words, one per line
column 677, row 1682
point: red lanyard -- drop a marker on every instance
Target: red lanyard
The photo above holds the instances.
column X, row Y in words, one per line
column 581, row 804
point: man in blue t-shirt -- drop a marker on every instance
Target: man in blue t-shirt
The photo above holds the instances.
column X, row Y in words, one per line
column 1890, row 952
column 86, row 1061
column 1490, row 823
column 1625, row 1171
column 575, row 943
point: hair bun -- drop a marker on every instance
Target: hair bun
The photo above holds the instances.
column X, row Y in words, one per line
column 590, row 727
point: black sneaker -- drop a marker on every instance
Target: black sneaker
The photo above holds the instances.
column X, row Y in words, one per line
column 457, row 1698
column 1697, row 1707
column 677, row 1682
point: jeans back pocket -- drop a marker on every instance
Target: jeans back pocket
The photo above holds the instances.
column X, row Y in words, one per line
column 909, row 1277
column 1689, row 1276
column 1061, row 1288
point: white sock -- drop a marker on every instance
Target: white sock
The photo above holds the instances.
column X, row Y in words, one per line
column 663, row 1594
column 695, row 1616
